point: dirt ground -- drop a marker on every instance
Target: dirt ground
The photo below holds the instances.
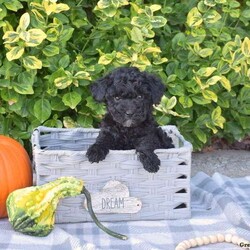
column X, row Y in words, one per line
column 232, row 163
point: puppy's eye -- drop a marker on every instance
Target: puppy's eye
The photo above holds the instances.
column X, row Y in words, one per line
column 117, row 98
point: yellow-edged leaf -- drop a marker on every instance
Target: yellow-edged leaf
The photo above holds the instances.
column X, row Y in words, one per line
column 139, row 21
column 205, row 52
column 24, row 35
column 212, row 16
column 245, row 47
column 136, row 8
column 248, row 73
column 158, row 21
column 63, row 82
column 225, row 83
column 53, row 7
column 155, row 7
column 213, row 80
column 121, row 3
column 15, row 53
column 143, row 60
column 39, row 17
column 122, row 58
column 159, row 60
column 168, row 103
column 7, row 27
column 217, row 119
column 61, row 7
column 212, row 127
column 186, row 101
column 194, row 18
column 107, row 58
column 198, row 81
column 68, row 122
column 171, row 112
column 84, row 75
column 209, row 95
column 136, row 35
column 49, row 7
column 37, row 6
column 102, row 4
column 32, row 62
column 24, row 22
column 221, row 1
column 52, row 34
column 36, row 36
column 209, row 3
column 152, row 50
column 10, row 37
column 206, row 71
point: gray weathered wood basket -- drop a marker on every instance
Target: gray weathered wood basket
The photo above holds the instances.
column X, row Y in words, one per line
column 163, row 195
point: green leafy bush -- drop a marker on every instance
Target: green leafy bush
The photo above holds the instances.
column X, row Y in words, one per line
column 52, row 51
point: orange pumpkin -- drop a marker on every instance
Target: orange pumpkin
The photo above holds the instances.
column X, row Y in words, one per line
column 15, row 169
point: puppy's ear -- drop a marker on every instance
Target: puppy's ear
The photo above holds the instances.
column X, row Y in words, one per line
column 156, row 86
column 99, row 88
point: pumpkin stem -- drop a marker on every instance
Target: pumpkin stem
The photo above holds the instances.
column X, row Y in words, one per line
column 97, row 222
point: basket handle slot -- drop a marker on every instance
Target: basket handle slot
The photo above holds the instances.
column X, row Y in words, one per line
column 183, row 163
column 181, row 191
column 183, row 176
column 182, row 205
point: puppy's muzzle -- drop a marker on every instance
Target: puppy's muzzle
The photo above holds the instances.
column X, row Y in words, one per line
column 128, row 123
column 129, row 118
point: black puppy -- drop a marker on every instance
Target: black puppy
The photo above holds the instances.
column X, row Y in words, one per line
column 128, row 124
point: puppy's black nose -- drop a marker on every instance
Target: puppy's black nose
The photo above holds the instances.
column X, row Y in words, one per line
column 129, row 112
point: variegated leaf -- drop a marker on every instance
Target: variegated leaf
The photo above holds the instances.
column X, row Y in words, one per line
column 122, row 58
column 36, row 37
column 32, row 62
column 209, row 95
column 152, row 50
column 194, row 18
column 245, row 47
column 24, row 22
column 53, row 7
column 61, row 7
column 225, row 83
column 158, row 21
column 155, row 7
column 82, row 75
column 15, row 53
column 11, row 37
column 106, row 59
column 205, row 71
column 39, row 17
column 213, row 80
column 24, row 35
column 217, row 118
column 63, row 82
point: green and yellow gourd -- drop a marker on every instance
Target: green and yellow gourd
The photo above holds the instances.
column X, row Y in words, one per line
column 31, row 210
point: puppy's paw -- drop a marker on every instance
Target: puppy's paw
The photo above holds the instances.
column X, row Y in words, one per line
column 96, row 153
column 150, row 162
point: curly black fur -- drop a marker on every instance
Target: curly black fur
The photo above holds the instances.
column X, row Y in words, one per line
column 129, row 124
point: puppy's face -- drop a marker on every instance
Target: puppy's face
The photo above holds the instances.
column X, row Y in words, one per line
column 129, row 94
column 128, row 102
